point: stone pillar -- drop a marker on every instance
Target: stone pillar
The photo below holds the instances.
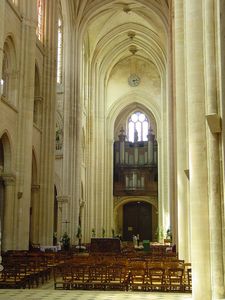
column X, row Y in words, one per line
column 2, row 32
column 213, row 138
column 181, row 134
column 9, row 206
column 48, row 129
column 199, row 207
column 35, row 200
column 63, row 202
column 25, row 124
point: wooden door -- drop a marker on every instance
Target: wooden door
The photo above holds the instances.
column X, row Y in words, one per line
column 137, row 219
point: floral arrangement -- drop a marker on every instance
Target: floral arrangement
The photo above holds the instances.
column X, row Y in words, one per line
column 65, row 240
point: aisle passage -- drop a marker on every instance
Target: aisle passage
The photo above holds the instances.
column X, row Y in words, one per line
column 39, row 294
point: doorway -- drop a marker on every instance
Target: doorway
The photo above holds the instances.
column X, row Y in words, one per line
column 137, row 219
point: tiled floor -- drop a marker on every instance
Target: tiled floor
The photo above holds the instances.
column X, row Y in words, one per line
column 47, row 292
column 87, row 295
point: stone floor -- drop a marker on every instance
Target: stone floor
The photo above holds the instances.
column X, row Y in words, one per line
column 47, row 292
column 87, row 295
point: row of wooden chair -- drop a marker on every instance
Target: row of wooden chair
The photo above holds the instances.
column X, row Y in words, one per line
column 121, row 277
column 23, row 269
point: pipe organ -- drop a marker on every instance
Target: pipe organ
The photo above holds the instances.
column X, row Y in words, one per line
column 135, row 166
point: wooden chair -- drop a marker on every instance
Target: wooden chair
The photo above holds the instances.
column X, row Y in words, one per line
column 117, row 278
column 13, row 277
column 137, row 279
column 188, row 283
column 174, row 279
column 79, row 277
column 155, row 280
column 97, row 277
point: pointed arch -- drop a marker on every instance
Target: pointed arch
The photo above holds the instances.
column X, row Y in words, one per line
column 7, row 152
column 9, row 89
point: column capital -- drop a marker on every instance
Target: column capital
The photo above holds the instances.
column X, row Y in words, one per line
column 38, row 98
column 9, row 179
column 35, row 187
column 63, row 199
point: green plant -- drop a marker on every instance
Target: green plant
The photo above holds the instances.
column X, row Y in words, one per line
column 65, row 241
column 93, row 232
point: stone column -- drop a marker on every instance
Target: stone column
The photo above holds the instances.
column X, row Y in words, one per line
column 25, row 124
column 199, row 207
column 48, row 129
column 181, row 133
column 63, row 202
column 2, row 21
column 213, row 138
column 9, row 206
column 35, row 200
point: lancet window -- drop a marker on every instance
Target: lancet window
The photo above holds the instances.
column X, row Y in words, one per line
column 60, row 50
column 138, row 126
column 40, row 13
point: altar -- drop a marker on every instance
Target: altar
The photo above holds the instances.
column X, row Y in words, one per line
column 44, row 248
column 105, row 245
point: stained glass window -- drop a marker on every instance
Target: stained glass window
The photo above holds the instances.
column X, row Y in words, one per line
column 138, row 125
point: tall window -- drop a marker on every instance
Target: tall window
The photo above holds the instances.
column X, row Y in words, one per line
column 60, row 51
column 138, row 127
column 4, row 81
column 40, row 12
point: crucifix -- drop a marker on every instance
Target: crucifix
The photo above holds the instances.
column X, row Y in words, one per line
column 66, row 222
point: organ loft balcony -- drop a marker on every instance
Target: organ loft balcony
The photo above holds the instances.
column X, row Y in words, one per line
column 135, row 168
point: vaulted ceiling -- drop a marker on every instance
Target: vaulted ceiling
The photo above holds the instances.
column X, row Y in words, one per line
column 123, row 26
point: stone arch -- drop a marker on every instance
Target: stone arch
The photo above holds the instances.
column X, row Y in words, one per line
column 7, row 183
column 118, row 117
column 122, row 118
column 9, row 88
column 35, row 201
column 118, row 211
column 7, row 153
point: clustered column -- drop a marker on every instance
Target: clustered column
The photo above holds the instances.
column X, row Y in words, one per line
column 9, row 206
column 181, row 134
column 199, row 206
